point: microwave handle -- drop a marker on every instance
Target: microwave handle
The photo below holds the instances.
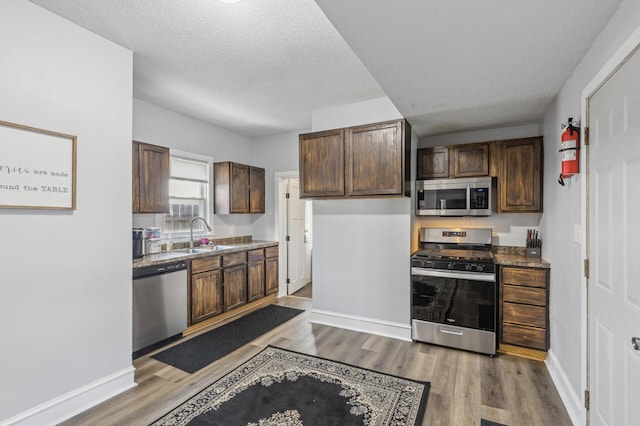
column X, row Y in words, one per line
column 468, row 199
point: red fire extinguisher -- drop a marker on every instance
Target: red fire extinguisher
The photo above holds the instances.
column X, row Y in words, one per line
column 570, row 150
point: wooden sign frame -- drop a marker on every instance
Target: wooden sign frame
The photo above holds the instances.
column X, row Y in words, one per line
column 37, row 168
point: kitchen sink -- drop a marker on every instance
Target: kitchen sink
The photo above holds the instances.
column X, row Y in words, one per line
column 202, row 249
column 192, row 250
column 220, row 247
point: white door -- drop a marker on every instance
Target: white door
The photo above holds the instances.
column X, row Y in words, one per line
column 614, row 232
column 296, row 247
column 308, row 240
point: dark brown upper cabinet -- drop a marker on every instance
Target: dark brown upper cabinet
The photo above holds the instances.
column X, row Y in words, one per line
column 256, row 190
column 151, row 172
column 455, row 161
column 433, row 163
column 235, row 191
column 376, row 159
column 363, row 161
column 520, row 178
column 470, row 160
column 321, row 158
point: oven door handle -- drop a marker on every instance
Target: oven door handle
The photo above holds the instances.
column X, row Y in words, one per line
column 449, row 331
column 453, row 274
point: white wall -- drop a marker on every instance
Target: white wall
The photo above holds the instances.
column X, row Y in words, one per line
column 65, row 308
column 361, row 248
column 563, row 210
column 509, row 229
column 159, row 126
column 485, row 135
column 277, row 153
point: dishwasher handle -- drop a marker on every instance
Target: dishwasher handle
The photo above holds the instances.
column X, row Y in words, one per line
column 149, row 271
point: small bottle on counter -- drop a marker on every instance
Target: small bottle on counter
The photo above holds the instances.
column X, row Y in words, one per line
column 169, row 243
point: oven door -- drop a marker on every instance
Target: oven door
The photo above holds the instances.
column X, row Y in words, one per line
column 454, row 298
column 456, row 309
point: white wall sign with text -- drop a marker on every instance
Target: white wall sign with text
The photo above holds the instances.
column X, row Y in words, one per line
column 37, row 168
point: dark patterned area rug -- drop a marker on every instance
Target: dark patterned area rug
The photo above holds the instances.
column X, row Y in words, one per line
column 285, row 388
column 202, row 350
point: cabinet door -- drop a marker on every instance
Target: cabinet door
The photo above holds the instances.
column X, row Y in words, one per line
column 495, row 158
column 256, row 190
column 271, row 275
column 375, row 159
column 239, row 191
column 255, row 280
column 520, row 180
column 470, row 160
column 206, row 295
column 433, row 163
column 321, row 164
column 153, row 179
column 135, row 171
column 235, row 289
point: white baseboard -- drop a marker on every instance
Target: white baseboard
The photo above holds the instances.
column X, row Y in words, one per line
column 572, row 400
column 362, row 324
column 75, row 402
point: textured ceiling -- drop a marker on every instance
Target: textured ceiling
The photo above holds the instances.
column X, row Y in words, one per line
column 256, row 67
column 261, row 67
column 454, row 65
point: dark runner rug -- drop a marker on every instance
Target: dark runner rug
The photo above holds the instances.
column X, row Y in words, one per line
column 484, row 422
column 280, row 387
column 204, row 349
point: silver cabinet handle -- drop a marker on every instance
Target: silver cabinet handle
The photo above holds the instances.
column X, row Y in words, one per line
column 635, row 342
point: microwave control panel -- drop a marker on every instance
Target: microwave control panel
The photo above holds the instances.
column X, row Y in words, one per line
column 479, row 198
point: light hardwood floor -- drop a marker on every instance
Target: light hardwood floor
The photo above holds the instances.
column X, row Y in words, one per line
column 465, row 387
column 305, row 291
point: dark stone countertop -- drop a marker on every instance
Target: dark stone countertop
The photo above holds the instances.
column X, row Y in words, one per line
column 173, row 256
column 517, row 256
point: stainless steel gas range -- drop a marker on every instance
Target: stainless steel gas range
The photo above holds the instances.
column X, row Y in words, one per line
column 453, row 284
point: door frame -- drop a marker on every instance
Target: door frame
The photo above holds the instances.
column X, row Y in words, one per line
column 281, row 227
column 611, row 66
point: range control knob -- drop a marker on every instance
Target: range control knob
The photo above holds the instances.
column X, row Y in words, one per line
column 468, row 267
column 479, row 268
column 451, row 265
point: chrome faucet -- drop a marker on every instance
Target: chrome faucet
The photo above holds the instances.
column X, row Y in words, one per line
column 191, row 229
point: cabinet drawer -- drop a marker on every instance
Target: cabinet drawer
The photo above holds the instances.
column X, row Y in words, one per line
column 535, row 316
column 257, row 254
column 525, row 336
column 271, row 251
column 234, row 259
column 526, row 295
column 205, row 264
column 531, row 277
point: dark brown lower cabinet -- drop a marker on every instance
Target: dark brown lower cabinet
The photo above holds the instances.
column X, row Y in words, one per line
column 206, row 295
column 271, row 270
column 205, row 289
column 255, row 275
column 235, row 289
column 524, row 307
column 222, row 283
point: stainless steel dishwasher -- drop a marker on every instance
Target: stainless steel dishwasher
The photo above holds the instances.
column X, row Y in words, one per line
column 159, row 303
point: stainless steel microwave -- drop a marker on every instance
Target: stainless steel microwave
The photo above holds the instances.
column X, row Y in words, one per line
column 454, row 197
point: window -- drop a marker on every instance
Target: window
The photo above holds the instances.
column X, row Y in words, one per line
column 189, row 193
